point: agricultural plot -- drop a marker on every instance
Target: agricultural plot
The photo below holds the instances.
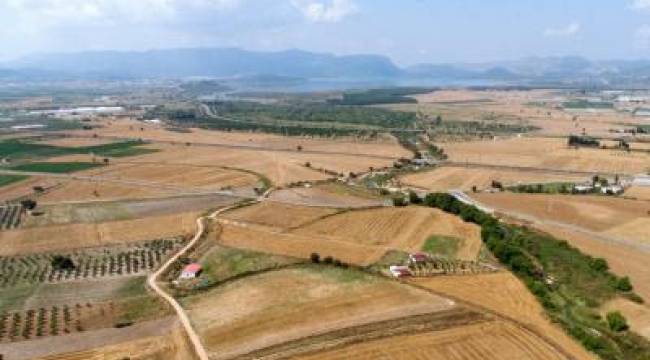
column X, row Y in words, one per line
column 77, row 236
column 55, row 167
column 278, row 215
column 496, row 340
column 504, row 294
column 86, row 264
column 341, row 297
column 10, row 216
column 10, row 179
column 623, row 219
column 447, row 178
column 397, row 228
column 546, row 153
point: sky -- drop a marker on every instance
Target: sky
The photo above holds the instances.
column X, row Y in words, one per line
column 408, row 31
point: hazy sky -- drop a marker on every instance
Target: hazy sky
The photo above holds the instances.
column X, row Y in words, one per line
column 409, row 31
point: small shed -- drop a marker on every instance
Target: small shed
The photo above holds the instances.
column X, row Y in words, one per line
column 191, row 271
column 418, row 258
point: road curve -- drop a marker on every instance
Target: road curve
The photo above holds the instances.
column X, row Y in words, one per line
column 152, row 281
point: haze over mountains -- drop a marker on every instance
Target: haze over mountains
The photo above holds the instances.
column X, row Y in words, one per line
column 229, row 63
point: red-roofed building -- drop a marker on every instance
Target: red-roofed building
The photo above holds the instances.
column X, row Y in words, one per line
column 399, row 271
column 418, row 258
column 191, row 271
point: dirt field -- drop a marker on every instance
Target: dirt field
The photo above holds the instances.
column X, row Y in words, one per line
column 278, row 215
column 503, row 293
column 546, row 153
column 68, row 237
column 397, row 228
column 447, row 178
column 327, row 195
column 78, row 190
column 637, row 315
column 153, row 340
column 209, row 178
column 621, row 218
column 496, row 340
column 638, row 192
column 263, row 239
column 252, row 314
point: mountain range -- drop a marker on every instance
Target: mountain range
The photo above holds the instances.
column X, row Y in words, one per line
column 234, row 63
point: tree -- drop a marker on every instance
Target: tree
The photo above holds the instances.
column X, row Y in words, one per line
column 624, row 284
column 28, row 204
column 315, row 258
column 308, row 164
column 599, row 265
column 60, row 262
column 328, row 260
column 399, row 201
column 616, row 321
column 414, row 198
column 107, row 160
column 299, row 148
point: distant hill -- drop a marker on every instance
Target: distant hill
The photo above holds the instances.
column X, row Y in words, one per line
column 296, row 67
column 212, row 62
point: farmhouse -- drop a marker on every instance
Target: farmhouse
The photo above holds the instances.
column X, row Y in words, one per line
column 418, row 258
column 191, row 271
column 399, row 271
column 583, row 188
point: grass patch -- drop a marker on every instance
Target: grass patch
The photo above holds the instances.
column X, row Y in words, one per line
column 26, row 149
column 141, row 308
column 340, row 274
column 391, row 257
column 10, row 179
column 221, row 264
column 54, row 167
column 445, row 246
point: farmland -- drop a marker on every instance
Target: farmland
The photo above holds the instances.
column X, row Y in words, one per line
column 449, row 177
column 303, row 271
column 336, row 294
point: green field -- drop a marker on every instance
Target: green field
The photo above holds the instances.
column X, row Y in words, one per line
column 26, row 149
column 54, row 167
column 10, row 179
column 445, row 246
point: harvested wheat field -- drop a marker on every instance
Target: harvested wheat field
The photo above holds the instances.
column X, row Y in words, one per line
column 26, row 187
column 384, row 146
column 495, row 340
column 638, row 192
column 625, row 219
column 281, row 167
column 637, row 315
column 279, row 242
column 154, row 340
column 204, row 177
column 252, row 314
column 447, row 178
column 325, row 195
column 85, row 190
column 504, row 294
column 546, row 153
column 278, row 215
column 74, row 236
column 404, row 228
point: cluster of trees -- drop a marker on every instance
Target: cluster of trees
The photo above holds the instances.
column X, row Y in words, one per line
column 313, row 112
column 328, row 260
column 480, row 128
column 287, row 130
column 567, row 282
column 576, row 140
column 380, row 96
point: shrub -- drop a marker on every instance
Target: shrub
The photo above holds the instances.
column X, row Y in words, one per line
column 624, row 284
column 616, row 321
column 328, row 260
column 315, row 258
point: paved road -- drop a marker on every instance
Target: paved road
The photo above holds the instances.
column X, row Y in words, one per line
column 607, row 239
